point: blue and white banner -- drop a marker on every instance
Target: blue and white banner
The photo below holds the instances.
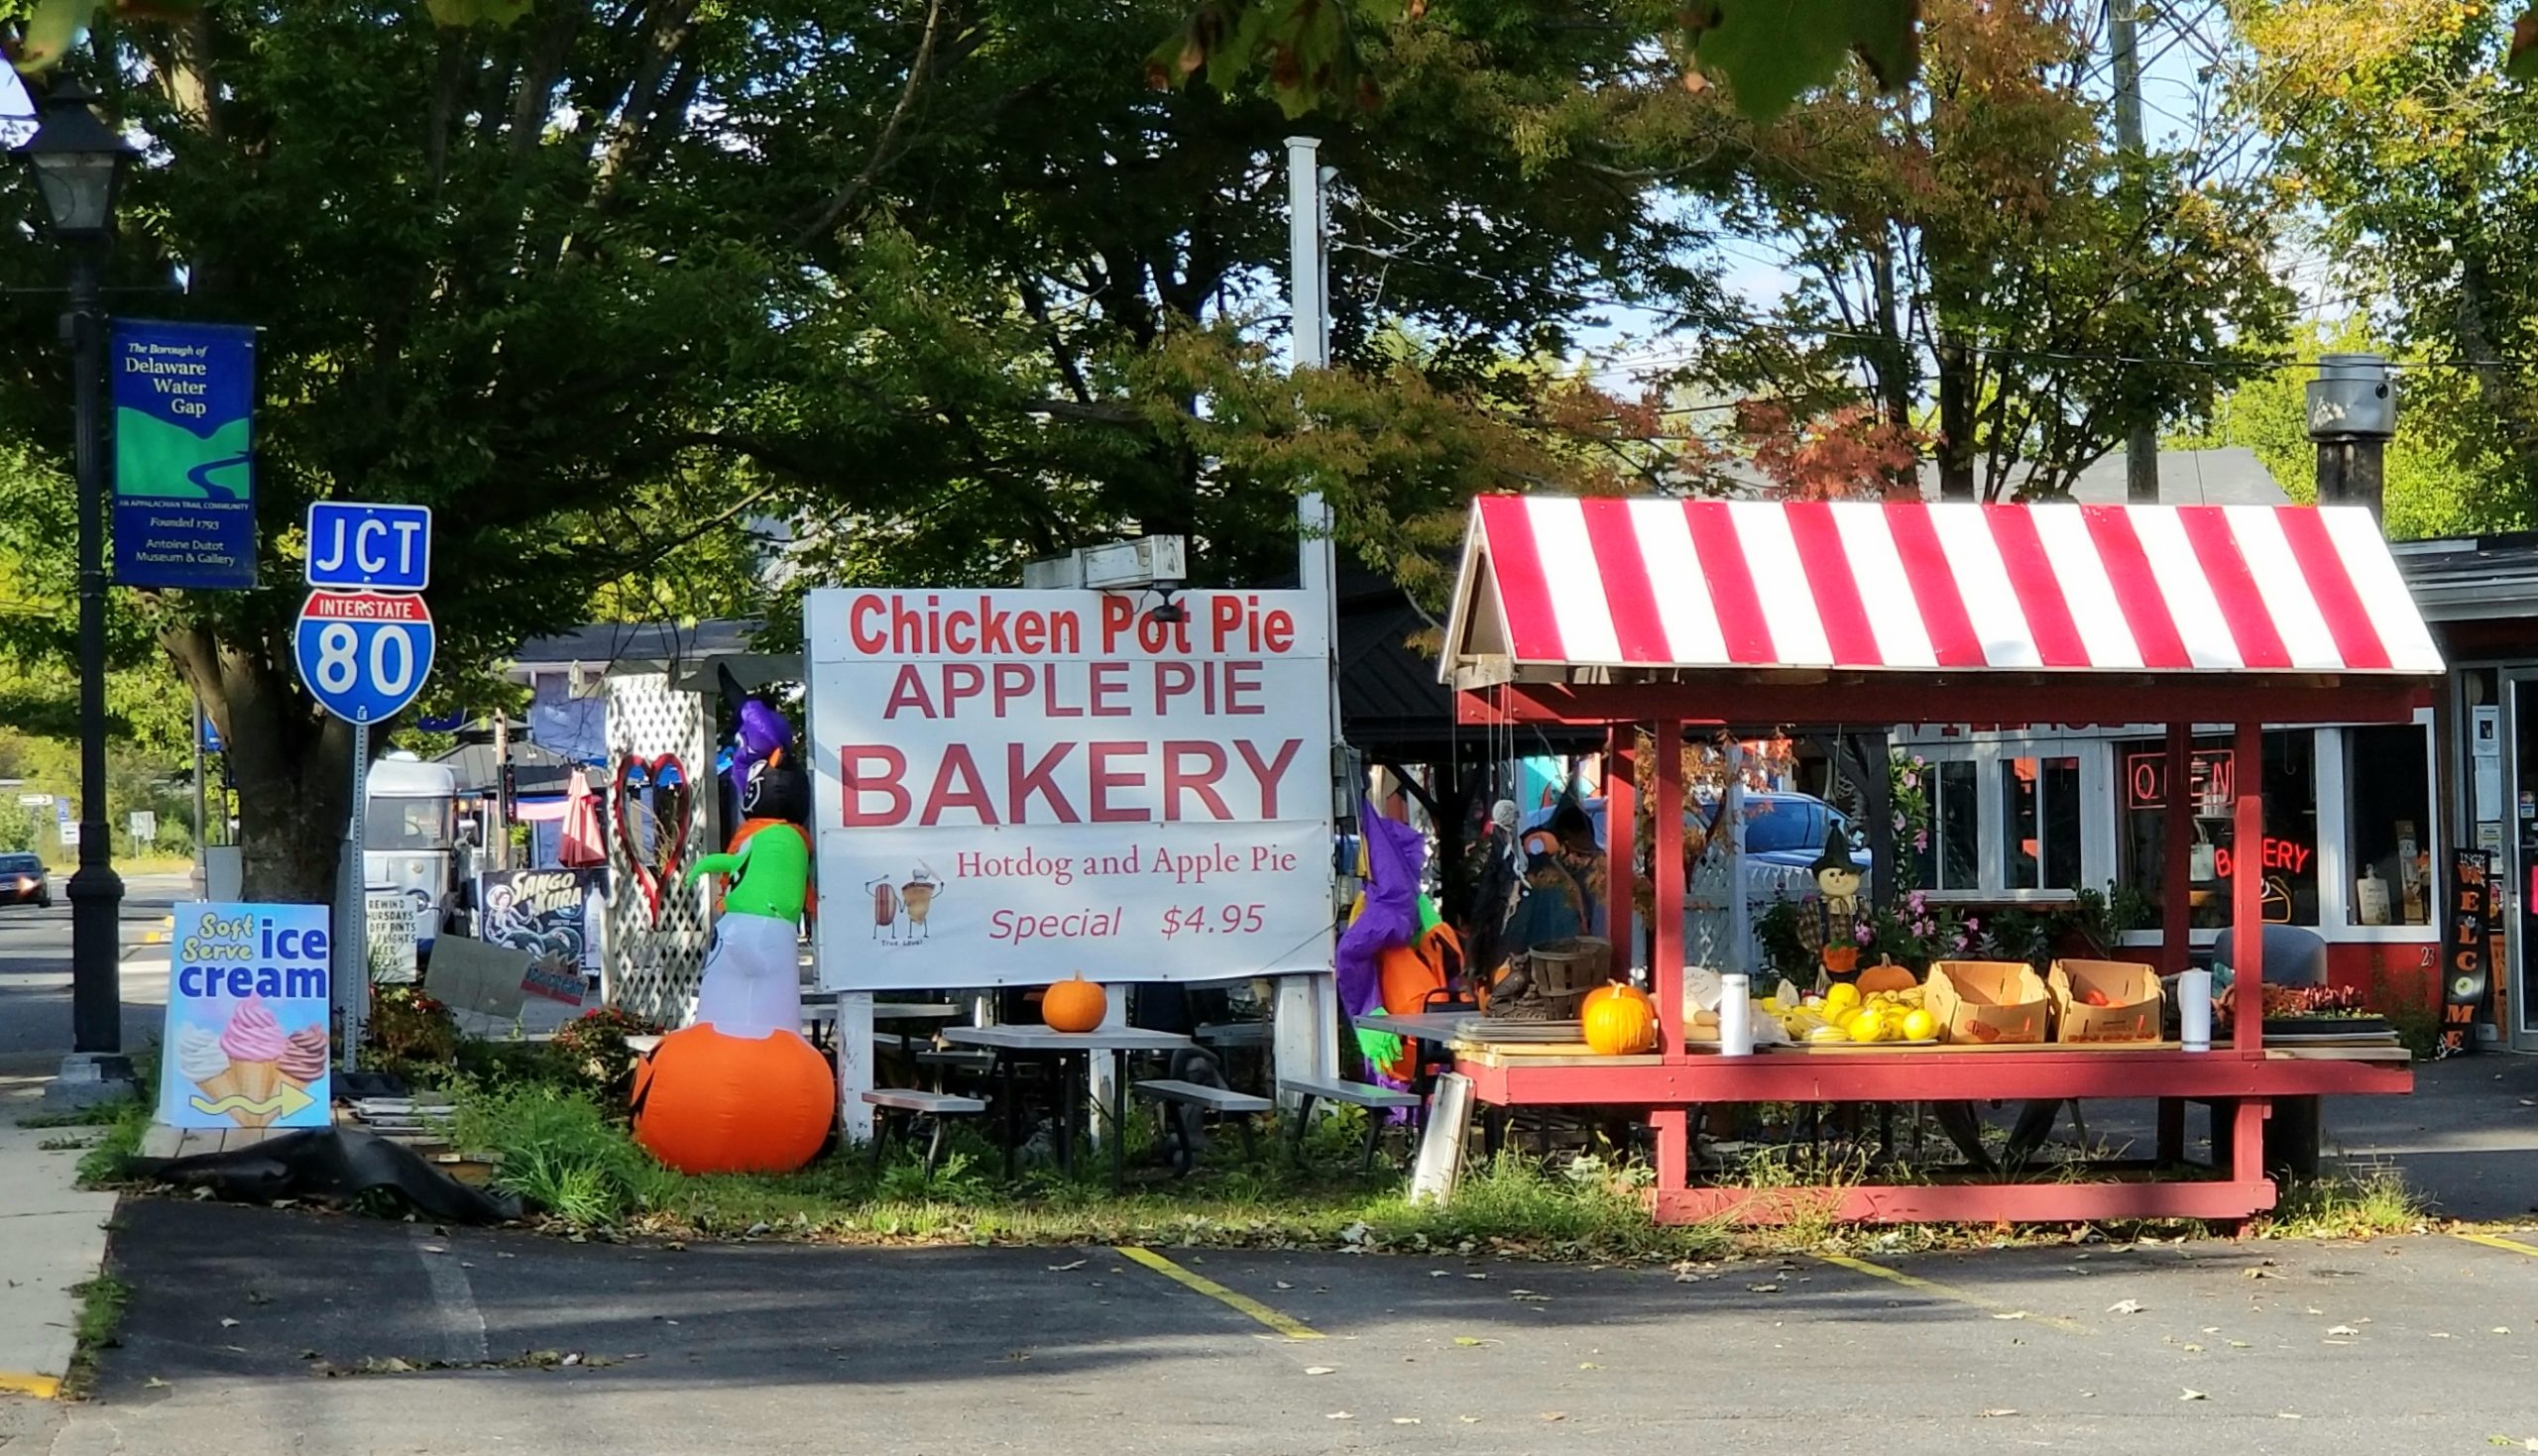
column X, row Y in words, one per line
column 184, row 399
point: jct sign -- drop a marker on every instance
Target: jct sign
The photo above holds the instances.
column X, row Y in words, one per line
column 1021, row 785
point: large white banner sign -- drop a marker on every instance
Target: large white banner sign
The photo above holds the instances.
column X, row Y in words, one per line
column 1015, row 786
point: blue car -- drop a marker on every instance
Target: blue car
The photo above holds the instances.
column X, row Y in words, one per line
column 1780, row 828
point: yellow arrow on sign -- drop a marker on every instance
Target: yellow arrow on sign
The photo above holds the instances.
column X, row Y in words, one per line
column 285, row 1100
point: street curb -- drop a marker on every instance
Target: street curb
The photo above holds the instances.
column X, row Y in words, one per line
column 41, row 1387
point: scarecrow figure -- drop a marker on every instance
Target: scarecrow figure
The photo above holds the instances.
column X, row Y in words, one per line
column 1833, row 927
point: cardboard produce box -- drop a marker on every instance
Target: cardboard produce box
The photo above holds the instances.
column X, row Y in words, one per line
column 1986, row 1002
column 2131, row 993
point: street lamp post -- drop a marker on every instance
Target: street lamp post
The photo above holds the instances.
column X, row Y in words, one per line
column 78, row 159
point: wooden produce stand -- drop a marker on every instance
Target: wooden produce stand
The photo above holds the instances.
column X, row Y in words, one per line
column 1666, row 614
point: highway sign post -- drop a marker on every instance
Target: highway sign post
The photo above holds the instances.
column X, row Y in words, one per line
column 365, row 644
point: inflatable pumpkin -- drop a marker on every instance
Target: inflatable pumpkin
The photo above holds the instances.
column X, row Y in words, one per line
column 1075, row 1005
column 709, row 1102
column 740, row 1090
column 1619, row 1021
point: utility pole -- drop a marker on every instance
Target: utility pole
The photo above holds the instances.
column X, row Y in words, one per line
column 2141, row 444
column 1306, row 1032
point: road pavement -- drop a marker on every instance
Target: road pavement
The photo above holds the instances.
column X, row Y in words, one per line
column 247, row 1330
column 35, row 971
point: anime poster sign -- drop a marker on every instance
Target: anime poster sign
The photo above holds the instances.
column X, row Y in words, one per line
column 246, row 1044
column 1014, row 786
column 547, row 913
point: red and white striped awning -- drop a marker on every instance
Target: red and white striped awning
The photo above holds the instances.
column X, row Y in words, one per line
column 1648, row 583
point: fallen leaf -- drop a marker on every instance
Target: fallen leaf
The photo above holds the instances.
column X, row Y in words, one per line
column 2500, row 1329
column 2192, row 1349
column 228, row 1324
column 1993, row 1413
column 2314, row 1309
column 1318, row 1370
column 1588, row 1365
column 2240, row 1345
column 2125, row 1307
column 1405, row 1420
column 1468, row 1419
column 2194, row 1395
column 155, row 1384
column 1063, row 1267
column 1475, row 1275
column 2437, row 1335
column 436, row 1248
column 2342, row 1329
column 2258, row 1274
column 1523, row 1297
column 1439, row 1273
column 1282, row 1285
column 2013, row 1314
column 1763, row 1288
column 1341, row 1416
column 1554, row 1415
column 1468, row 1341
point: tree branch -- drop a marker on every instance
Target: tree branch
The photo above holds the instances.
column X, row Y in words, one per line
column 885, row 149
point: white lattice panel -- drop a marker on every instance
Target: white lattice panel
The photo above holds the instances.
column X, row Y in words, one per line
column 656, row 945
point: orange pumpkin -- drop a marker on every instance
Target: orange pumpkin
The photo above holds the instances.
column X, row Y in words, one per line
column 1885, row 976
column 706, row 1102
column 1619, row 1020
column 1075, row 1005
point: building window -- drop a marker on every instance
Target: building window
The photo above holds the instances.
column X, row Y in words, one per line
column 2287, row 859
column 2387, row 810
column 2041, row 799
column 1953, row 859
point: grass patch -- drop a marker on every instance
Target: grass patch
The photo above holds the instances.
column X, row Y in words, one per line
column 578, row 1166
column 2365, row 1203
column 101, row 1305
column 101, row 1115
column 108, row 1162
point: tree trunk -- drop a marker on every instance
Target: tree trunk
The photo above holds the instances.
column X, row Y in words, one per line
column 291, row 764
column 1956, row 419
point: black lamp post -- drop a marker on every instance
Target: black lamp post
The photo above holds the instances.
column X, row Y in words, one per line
column 77, row 160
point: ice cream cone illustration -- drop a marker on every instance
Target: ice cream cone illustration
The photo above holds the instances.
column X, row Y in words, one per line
column 200, row 1061
column 303, row 1057
column 255, row 1043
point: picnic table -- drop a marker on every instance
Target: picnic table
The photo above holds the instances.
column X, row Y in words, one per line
column 1009, row 1043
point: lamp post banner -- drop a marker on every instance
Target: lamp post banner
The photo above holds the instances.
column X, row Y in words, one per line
column 185, row 397
column 1013, row 787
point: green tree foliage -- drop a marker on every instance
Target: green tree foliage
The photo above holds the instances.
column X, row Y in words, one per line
column 2396, row 122
column 1975, row 259
column 2442, row 478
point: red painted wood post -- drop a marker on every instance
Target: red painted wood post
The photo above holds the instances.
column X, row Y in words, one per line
column 1621, row 843
column 2176, row 883
column 2247, row 899
column 1666, row 878
column 1673, row 1127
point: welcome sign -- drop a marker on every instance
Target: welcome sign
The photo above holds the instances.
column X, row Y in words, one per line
column 185, row 396
column 1014, row 786
column 246, row 1041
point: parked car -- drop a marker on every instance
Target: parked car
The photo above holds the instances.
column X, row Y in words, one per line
column 23, row 881
column 1780, row 827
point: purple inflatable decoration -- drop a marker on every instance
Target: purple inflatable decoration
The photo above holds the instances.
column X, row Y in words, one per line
column 1395, row 853
column 762, row 732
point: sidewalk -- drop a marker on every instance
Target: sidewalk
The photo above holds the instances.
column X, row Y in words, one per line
column 57, row 1235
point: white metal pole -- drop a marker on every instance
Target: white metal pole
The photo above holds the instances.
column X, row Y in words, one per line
column 1306, row 1031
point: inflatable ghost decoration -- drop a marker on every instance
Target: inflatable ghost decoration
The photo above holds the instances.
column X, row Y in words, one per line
column 739, row 1091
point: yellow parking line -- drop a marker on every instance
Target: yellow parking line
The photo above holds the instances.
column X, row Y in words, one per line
column 1947, row 1291
column 41, row 1387
column 2497, row 1241
column 1287, row 1325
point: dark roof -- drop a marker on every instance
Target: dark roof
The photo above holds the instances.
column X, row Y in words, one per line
column 639, row 646
column 2467, row 578
column 535, row 769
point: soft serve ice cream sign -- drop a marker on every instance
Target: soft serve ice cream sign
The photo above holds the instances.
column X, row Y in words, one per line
column 246, row 1044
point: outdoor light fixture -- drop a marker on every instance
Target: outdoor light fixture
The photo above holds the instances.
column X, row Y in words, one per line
column 78, row 159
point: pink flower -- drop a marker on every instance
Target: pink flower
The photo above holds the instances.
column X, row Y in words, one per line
column 1921, row 838
column 1919, row 762
column 1861, row 933
column 1917, row 902
column 1911, row 780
